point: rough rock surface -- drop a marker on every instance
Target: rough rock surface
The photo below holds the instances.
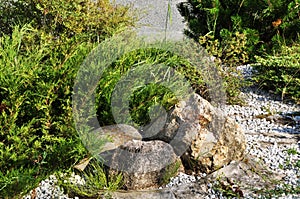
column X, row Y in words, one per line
column 243, row 177
column 204, row 138
column 184, row 191
column 239, row 177
column 144, row 164
column 145, row 194
column 116, row 135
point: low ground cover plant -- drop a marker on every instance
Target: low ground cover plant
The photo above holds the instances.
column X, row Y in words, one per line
column 280, row 72
column 36, row 132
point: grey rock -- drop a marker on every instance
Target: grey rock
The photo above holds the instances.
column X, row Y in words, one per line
column 115, row 136
column 201, row 134
column 142, row 163
column 193, row 190
column 245, row 176
column 145, row 194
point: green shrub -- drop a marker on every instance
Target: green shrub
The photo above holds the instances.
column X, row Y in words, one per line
column 269, row 18
column 236, row 31
column 38, row 65
column 150, row 94
column 37, row 134
column 66, row 18
column 229, row 53
column 280, row 72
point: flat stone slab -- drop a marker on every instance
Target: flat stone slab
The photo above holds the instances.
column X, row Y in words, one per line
column 148, row 194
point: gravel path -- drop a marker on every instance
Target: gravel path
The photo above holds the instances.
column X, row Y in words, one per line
column 153, row 16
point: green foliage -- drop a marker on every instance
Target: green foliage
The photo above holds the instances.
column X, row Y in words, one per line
column 24, row 178
column 36, row 128
column 38, row 65
column 65, row 18
column 151, row 94
column 268, row 18
column 229, row 53
column 297, row 164
column 280, row 191
column 227, row 188
column 171, row 171
column 281, row 72
column 235, row 31
column 292, row 151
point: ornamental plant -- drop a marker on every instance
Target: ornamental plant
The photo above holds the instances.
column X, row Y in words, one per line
column 66, row 18
column 269, row 18
column 42, row 45
column 235, row 31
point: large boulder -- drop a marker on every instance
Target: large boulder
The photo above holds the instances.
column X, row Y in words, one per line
column 144, row 164
column 202, row 135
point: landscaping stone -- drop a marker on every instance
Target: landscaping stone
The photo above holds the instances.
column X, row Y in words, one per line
column 203, row 136
column 146, row 194
column 117, row 135
column 243, row 177
column 144, row 164
column 184, row 191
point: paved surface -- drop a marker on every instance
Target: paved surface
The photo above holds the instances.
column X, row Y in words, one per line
column 153, row 17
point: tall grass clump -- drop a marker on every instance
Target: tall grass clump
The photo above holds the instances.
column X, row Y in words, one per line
column 95, row 182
